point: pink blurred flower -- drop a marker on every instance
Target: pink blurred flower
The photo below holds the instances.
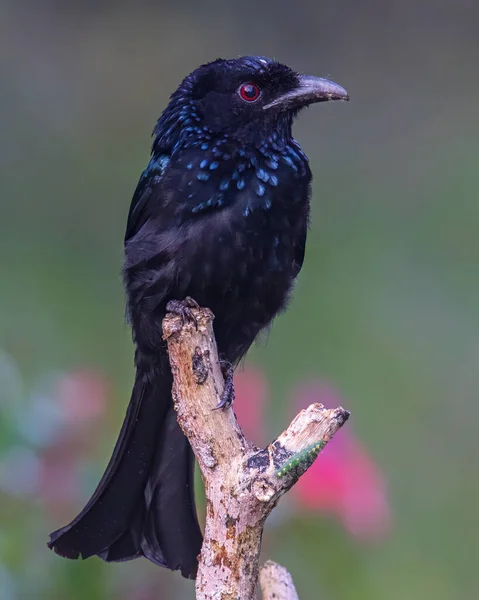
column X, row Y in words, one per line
column 82, row 399
column 83, row 395
column 58, row 428
column 251, row 392
column 344, row 481
column 60, row 480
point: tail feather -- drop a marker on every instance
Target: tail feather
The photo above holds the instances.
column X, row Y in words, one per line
column 168, row 531
column 144, row 504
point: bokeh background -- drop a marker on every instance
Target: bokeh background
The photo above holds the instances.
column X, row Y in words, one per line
column 385, row 318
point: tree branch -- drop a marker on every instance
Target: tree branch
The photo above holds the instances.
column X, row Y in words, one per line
column 276, row 583
column 242, row 483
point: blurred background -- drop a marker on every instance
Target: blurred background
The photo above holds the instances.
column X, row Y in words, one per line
column 385, row 319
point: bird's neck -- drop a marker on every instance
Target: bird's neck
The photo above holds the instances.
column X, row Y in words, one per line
column 266, row 153
column 180, row 127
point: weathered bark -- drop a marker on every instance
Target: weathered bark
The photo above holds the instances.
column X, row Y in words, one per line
column 243, row 483
column 276, row 583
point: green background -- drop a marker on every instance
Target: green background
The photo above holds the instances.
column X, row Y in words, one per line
column 387, row 302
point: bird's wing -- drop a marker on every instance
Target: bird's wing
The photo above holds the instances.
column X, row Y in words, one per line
column 299, row 253
column 184, row 186
column 141, row 207
column 300, row 236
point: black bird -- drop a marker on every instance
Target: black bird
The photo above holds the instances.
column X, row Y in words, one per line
column 219, row 215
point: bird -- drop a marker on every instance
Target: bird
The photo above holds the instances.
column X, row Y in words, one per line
column 219, row 218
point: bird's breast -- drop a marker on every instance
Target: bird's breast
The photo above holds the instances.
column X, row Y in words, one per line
column 228, row 237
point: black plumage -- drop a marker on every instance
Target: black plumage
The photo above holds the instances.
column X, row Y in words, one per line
column 220, row 214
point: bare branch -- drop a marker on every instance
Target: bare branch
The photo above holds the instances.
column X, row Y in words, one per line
column 242, row 483
column 276, row 583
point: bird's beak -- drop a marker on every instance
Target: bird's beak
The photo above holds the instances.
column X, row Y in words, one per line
column 309, row 90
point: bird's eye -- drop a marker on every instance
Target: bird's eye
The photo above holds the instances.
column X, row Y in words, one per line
column 249, row 92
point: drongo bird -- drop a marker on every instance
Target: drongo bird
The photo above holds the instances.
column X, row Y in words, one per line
column 219, row 217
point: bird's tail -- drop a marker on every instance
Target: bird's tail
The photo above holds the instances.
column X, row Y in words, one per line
column 144, row 504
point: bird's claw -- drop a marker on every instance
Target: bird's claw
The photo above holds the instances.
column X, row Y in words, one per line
column 228, row 395
column 183, row 308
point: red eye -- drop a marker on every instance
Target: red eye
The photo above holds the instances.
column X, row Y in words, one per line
column 249, row 92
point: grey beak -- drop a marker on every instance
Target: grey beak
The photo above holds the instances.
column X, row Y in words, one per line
column 310, row 90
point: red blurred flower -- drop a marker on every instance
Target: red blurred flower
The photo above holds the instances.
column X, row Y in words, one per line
column 344, row 481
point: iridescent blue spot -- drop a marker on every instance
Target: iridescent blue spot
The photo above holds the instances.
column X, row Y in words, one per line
column 202, row 176
column 276, row 241
column 241, row 167
column 235, row 175
column 272, row 163
column 204, row 146
column 267, row 204
column 158, row 163
column 293, row 153
column 163, row 162
column 273, row 180
column 203, row 164
column 260, row 190
column 299, row 150
column 214, row 165
column 226, row 156
column 189, row 166
column 224, row 185
column 246, row 212
column 290, row 162
column 261, row 174
column 240, row 184
column 212, row 202
column 189, row 128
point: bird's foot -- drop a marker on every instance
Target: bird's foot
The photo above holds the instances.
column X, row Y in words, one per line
column 183, row 308
column 228, row 395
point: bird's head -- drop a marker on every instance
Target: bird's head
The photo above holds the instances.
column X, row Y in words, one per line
column 247, row 99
